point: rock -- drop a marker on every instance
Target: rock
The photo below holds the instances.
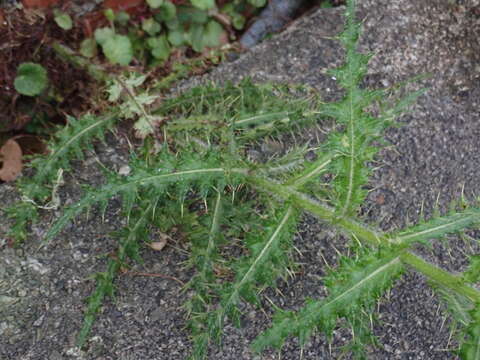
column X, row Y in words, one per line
column 276, row 15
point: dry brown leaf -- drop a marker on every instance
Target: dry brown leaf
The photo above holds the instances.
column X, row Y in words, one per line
column 38, row 3
column 11, row 156
column 159, row 245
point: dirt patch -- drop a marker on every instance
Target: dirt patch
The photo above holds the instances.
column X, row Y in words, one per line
column 26, row 35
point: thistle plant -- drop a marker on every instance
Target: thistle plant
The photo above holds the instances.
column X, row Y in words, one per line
column 205, row 175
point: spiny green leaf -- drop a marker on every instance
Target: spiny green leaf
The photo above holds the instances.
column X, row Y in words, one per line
column 254, row 111
column 458, row 306
column 22, row 213
column 209, row 134
column 154, row 181
column 472, row 274
column 104, row 280
column 311, row 172
column 470, row 348
column 205, row 253
column 260, row 268
column 354, row 145
column 437, row 227
column 76, row 134
column 353, row 287
column 67, row 146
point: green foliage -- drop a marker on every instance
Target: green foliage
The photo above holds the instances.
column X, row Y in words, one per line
column 151, row 26
column 208, row 175
column 70, row 142
column 118, row 49
column 258, row 3
column 128, row 248
column 470, row 348
column 252, row 111
column 238, row 20
column 23, row 213
column 472, row 274
column 205, row 258
column 202, row 36
column 203, row 4
column 265, row 262
column 88, row 48
column 436, row 227
column 63, row 20
column 169, row 26
column 133, row 103
column 103, row 34
column 109, row 14
column 353, row 287
column 159, row 47
column 354, row 146
column 465, row 314
column 122, row 18
column 31, row 79
column 40, row 190
column 154, row 4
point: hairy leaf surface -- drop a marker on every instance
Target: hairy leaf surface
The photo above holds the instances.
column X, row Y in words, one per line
column 353, row 287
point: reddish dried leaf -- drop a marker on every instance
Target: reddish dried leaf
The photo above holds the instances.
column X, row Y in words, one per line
column 117, row 5
column 38, row 3
column 11, row 156
column 31, row 144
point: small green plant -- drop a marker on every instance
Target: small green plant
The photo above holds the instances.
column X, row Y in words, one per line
column 198, row 26
column 133, row 104
column 117, row 48
column 63, row 19
column 210, row 156
column 31, row 79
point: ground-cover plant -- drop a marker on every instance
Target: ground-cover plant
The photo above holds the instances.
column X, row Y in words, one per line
column 209, row 175
column 164, row 26
column 31, row 79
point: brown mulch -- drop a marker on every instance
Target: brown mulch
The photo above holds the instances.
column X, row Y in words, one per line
column 26, row 35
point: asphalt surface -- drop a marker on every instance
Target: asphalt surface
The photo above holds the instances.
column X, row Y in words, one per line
column 434, row 155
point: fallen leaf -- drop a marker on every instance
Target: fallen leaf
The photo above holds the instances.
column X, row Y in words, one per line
column 159, row 245
column 39, row 3
column 31, row 144
column 11, row 156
